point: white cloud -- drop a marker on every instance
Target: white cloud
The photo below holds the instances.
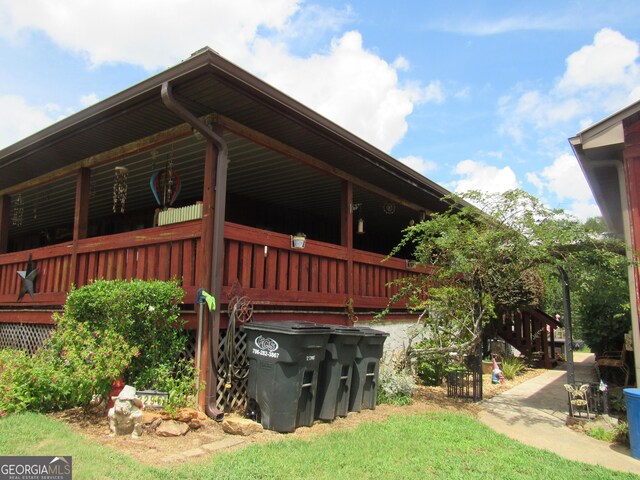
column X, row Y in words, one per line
column 145, row 32
column 600, row 78
column 24, row 119
column 487, row 178
column 583, row 210
column 419, row 164
column 480, row 27
column 565, row 179
column 565, row 182
column 401, row 63
column 347, row 83
column 609, row 61
column 88, row 100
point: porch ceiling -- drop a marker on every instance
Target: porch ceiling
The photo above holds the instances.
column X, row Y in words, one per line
column 255, row 173
column 208, row 83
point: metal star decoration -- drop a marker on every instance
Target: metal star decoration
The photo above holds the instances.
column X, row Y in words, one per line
column 28, row 277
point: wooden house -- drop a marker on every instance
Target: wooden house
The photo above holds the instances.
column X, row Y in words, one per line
column 206, row 173
column 609, row 154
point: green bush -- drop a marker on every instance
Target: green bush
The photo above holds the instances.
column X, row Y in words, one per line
column 621, row 433
column 108, row 329
column 512, row 367
column 16, row 393
column 432, row 369
column 87, row 361
column 145, row 313
column 179, row 381
column 70, row 368
column 395, row 387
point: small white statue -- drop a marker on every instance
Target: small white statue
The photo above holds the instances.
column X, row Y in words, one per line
column 125, row 417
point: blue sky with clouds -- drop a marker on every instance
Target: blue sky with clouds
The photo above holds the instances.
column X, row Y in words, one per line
column 473, row 94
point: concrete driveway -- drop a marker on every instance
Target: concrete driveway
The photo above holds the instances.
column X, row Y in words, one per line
column 535, row 412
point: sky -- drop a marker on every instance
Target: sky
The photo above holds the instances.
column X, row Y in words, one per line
column 473, row 94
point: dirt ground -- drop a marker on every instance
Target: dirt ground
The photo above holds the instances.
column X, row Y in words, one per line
column 153, row 449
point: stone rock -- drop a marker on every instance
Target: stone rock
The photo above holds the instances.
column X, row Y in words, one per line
column 241, row 426
column 195, row 424
column 171, row 428
column 188, row 414
column 155, row 424
column 148, row 417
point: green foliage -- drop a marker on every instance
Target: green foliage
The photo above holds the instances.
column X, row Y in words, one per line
column 621, row 433
column 484, row 262
column 432, row 368
column 71, row 367
column 16, row 393
column 179, row 381
column 108, row 329
column 394, row 386
column 599, row 287
column 145, row 313
column 440, row 445
column 512, row 367
column 600, row 433
column 617, row 402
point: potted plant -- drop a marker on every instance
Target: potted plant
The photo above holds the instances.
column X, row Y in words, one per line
column 298, row 240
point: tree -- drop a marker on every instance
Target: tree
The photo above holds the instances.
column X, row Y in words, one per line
column 482, row 260
column 600, row 291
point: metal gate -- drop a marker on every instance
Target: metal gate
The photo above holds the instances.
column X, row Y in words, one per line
column 466, row 383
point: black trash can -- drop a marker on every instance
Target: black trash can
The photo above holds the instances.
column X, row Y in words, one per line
column 364, row 382
column 334, row 382
column 283, row 372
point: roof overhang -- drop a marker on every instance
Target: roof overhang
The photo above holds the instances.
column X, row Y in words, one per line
column 599, row 150
column 208, row 83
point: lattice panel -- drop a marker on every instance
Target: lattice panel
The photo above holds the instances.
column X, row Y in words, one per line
column 189, row 352
column 233, row 399
column 24, row 336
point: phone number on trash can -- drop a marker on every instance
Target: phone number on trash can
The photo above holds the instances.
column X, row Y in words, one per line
column 264, row 353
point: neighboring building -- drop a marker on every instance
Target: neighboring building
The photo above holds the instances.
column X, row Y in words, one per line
column 251, row 167
column 609, row 154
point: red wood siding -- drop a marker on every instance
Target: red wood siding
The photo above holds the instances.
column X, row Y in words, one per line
column 263, row 263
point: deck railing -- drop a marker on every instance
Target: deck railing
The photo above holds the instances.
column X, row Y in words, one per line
column 262, row 263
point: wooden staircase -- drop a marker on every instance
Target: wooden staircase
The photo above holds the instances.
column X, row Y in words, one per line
column 531, row 332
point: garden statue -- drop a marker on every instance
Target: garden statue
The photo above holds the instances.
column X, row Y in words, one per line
column 496, row 374
column 125, row 417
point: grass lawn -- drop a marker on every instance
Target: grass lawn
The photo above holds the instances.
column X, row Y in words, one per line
column 438, row 445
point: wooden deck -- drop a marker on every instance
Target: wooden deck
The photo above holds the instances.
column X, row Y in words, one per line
column 263, row 263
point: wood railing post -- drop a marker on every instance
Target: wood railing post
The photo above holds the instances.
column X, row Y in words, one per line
column 204, row 262
column 80, row 219
column 346, row 232
column 5, row 211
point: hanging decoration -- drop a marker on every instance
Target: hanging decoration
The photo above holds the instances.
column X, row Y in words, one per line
column 27, row 277
column 165, row 184
column 389, row 208
column 18, row 211
column 120, row 188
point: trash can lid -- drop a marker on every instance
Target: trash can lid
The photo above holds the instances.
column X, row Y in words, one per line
column 632, row 392
column 289, row 327
column 345, row 330
column 372, row 332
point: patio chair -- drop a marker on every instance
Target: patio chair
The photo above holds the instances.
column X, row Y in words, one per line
column 578, row 399
column 615, row 361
